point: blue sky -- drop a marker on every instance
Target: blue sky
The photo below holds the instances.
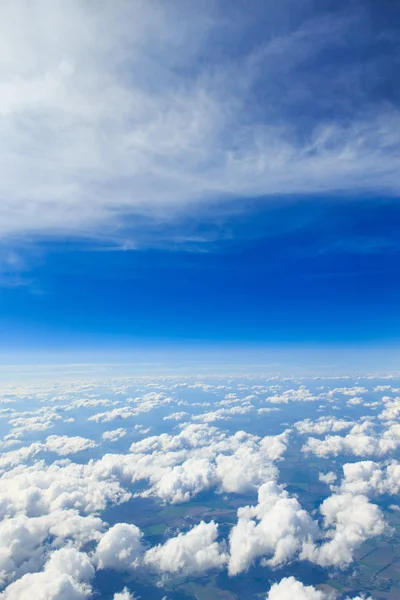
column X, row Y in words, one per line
column 198, row 175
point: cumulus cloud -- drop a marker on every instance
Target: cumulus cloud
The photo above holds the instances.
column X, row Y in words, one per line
column 64, row 445
column 182, row 482
column 23, row 539
column 291, row 589
column 224, row 414
column 362, row 440
column 47, row 507
column 198, row 458
column 124, row 595
column 40, row 489
column 120, row 548
column 114, row 434
column 301, row 394
column 370, row 478
column 349, row 520
column 177, row 416
column 191, row 553
column 244, row 471
column 327, row 478
column 143, row 404
column 391, row 410
column 323, row 425
column 277, row 528
column 66, row 576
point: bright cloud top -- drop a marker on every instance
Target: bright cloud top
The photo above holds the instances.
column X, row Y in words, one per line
column 217, row 499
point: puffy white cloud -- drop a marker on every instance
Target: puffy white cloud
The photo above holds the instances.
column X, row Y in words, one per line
column 190, row 553
column 277, row 528
column 245, row 470
column 370, row 478
column 356, row 401
column 48, row 506
column 323, row 425
column 143, row 404
column 302, row 394
column 39, row 489
column 66, row 576
column 349, row 391
column 198, row 458
column 362, row 440
column 23, row 425
column 291, row 589
column 275, row 446
column 64, row 445
column 114, row 435
column 182, row 482
column 349, row 520
column 391, row 410
column 327, row 478
column 177, row 416
column 24, row 540
column 12, row 458
column 124, row 595
column 112, row 415
column 120, row 548
column 223, row 414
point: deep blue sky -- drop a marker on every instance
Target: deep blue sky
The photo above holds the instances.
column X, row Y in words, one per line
column 305, row 272
column 225, row 179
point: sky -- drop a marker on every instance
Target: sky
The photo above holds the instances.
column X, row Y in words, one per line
column 199, row 180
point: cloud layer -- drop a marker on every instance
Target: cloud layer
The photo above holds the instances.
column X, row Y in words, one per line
column 136, row 112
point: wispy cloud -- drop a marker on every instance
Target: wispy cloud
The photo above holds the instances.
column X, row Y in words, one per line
column 142, row 111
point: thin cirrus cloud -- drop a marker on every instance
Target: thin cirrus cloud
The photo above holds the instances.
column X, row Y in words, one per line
column 144, row 112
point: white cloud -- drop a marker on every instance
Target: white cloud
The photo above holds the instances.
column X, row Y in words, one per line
column 244, row 471
column 356, row 401
column 391, row 410
column 370, row 478
column 120, row 548
column 327, row 478
column 66, row 576
column 114, row 112
column 177, row 416
column 323, row 425
column 40, row 489
column 349, row 391
column 201, row 457
column 362, row 440
column 224, row 414
column 114, row 435
column 143, row 404
column 112, row 415
column 64, row 445
column 124, row 595
column 277, row 528
column 349, row 520
column 291, row 589
column 182, row 482
column 191, row 553
column 301, row 394
column 24, row 541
